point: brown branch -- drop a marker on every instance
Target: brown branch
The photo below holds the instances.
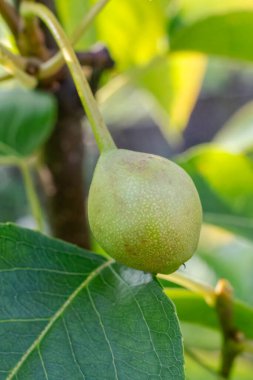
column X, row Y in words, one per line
column 98, row 57
column 233, row 339
column 63, row 159
column 11, row 17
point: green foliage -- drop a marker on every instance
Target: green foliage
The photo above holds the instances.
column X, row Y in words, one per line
column 61, row 307
column 193, row 309
column 27, row 119
column 68, row 314
column 234, row 30
column 226, row 193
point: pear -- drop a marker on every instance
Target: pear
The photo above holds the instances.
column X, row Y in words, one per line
column 144, row 211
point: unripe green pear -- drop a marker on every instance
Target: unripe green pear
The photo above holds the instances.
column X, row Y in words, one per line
column 144, row 210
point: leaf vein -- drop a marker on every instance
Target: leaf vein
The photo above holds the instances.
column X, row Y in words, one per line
column 55, row 317
column 72, row 349
column 104, row 332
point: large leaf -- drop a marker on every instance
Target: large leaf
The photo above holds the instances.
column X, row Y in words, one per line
column 68, row 314
column 193, row 309
column 225, row 184
column 27, row 119
column 227, row 34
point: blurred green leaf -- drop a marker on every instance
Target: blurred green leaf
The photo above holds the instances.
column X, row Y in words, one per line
column 225, row 184
column 68, row 314
column 138, row 29
column 193, row 309
column 237, row 134
column 191, row 10
column 242, row 369
column 227, row 34
column 27, row 119
column 227, row 256
column 174, row 83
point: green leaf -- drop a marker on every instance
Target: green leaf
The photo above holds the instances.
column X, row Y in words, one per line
column 191, row 10
column 225, row 184
column 27, row 119
column 193, row 309
column 237, row 134
column 68, row 314
column 227, row 35
column 138, row 29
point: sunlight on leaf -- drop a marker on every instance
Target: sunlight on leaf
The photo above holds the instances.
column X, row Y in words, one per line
column 138, row 29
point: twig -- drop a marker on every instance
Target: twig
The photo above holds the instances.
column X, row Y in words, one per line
column 54, row 64
column 233, row 339
column 15, row 65
column 98, row 57
column 101, row 133
column 222, row 299
column 11, row 17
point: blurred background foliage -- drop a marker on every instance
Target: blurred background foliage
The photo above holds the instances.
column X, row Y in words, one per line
column 182, row 87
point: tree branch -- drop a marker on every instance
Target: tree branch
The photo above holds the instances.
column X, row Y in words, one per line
column 233, row 339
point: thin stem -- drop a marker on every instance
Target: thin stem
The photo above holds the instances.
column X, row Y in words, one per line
column 180, row 279
column 5, row 77
column 15, row 66
column 54, row 64
column 10, row 16
column 32, row 195
column 101, row 133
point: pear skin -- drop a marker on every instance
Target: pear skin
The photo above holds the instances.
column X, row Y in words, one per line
column 144, row 211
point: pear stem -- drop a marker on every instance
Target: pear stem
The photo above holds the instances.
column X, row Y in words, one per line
column 102, row 135
column 54, row 64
